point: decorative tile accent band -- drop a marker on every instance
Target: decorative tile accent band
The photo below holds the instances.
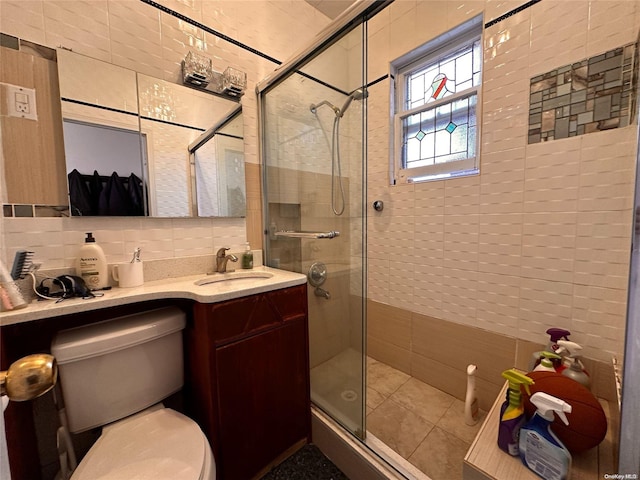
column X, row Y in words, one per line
column 587, row 96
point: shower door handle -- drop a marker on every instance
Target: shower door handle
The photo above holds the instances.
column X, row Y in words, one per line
column 294, row 234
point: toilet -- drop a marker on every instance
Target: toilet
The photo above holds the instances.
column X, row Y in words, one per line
column 113, row 375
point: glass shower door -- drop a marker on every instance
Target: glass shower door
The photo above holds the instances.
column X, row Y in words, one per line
column 313, row 151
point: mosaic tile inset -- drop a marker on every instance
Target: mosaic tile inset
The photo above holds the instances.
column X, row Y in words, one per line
column 588, row 96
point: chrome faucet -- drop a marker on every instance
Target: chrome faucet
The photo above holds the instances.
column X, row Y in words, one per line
column 222, row 258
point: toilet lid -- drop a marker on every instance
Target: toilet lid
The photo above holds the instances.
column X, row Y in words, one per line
column 160, row 445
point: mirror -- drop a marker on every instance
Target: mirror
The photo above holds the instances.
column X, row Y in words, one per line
column 127, row 138
column 217, row 166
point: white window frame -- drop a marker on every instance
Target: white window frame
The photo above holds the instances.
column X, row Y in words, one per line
column 403, row 67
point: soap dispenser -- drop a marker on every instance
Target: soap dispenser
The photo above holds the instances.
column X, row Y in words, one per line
column 91, row 264
column 247, row 257
column 575, row 370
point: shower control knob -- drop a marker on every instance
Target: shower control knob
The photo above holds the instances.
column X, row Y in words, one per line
column 378, row 205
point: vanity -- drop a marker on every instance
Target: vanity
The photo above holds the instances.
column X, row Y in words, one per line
column 246, row 362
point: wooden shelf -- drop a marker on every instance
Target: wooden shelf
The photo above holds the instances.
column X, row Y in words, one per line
column 484, row 459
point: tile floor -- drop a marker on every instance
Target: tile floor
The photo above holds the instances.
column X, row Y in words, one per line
column 421, row 423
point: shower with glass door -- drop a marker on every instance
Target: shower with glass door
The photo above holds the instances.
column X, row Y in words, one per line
column 313, row 123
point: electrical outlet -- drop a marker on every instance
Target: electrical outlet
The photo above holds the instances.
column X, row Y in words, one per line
column 21, row 102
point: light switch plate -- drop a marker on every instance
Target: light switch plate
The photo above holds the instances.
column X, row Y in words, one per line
column 21, row 102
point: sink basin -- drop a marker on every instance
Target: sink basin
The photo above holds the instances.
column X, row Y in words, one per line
column 233, row 276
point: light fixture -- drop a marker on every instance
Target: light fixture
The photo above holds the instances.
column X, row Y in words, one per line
column 197, row 71
column 29, row 377
column 234, row 82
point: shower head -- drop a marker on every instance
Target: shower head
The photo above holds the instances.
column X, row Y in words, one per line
column 357, row 94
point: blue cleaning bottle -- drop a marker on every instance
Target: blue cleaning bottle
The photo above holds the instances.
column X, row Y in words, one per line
column 540, row 449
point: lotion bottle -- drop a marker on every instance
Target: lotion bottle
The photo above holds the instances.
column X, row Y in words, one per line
column 91, row 264
column 540, row 448
column 471, row 401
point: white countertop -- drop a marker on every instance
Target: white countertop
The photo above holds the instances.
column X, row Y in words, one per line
column 178, row 288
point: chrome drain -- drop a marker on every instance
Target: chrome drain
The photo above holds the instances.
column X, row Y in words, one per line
column 349, row 395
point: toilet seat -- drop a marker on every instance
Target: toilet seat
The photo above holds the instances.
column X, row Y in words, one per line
column 162, row 444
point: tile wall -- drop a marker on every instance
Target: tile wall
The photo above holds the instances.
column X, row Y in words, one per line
column 541, row 237
column 140, row 37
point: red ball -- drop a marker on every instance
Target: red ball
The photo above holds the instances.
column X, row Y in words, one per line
column 587, row 421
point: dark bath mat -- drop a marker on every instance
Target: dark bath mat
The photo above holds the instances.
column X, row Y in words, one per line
column 308, row 463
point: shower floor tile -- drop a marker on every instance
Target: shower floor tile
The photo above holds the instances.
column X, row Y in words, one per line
column 423, row 400
column 398, row 427
column 440, row 455
column 439, row 438
column 420, row 423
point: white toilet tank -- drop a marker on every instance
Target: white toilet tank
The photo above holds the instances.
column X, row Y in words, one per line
column 112, row 369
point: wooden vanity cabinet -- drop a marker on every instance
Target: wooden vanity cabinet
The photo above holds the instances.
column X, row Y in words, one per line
column 248, row 379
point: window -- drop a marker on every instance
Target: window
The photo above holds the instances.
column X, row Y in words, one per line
column 437, row 91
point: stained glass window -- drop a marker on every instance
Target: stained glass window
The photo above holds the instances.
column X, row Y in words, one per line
column 441, row 134
column 436, row 121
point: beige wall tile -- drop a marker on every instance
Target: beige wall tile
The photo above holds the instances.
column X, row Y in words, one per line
column 457, row 346
column 389, row 354
column 135, row 36
column 390, row 324
column 24, row 20
column 525, row 350
column 62, row 20
column 603, row 383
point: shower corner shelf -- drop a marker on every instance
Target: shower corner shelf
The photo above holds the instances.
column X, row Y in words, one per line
column 485, row 461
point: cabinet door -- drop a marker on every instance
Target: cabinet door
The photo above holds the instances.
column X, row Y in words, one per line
column 263, row 399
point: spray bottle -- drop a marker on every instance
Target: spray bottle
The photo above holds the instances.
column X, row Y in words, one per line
column 512, row 411
column 540, row 449
column 555, row 334
column 546, row 362
column 575, row 370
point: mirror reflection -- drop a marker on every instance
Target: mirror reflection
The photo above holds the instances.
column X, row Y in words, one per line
column 217, row 161
column 127, row 138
